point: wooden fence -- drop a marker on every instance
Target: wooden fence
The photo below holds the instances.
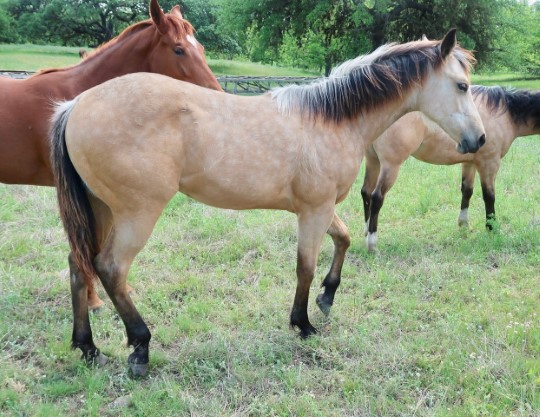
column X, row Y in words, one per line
column 243, row 85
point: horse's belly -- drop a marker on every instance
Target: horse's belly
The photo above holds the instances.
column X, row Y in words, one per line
column 237, row 195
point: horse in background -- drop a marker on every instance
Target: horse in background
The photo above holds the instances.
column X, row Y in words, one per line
column 299, row 148
column 506, row 114
column 164, row 44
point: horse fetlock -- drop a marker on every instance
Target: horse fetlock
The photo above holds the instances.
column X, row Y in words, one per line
column 306, row 330
column 371, row 242
column 300, row 321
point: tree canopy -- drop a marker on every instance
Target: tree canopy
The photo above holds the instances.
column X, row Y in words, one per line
column 312, row 34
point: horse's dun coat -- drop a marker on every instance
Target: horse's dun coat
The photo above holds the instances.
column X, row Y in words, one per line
column 137, row 140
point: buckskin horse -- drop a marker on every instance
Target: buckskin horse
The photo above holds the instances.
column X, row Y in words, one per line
column 506, row 114
column 297, row 148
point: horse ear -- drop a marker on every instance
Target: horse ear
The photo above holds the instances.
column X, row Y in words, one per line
column 448, row 43
column 159, row 18
column 424, row 37
column 176, row 11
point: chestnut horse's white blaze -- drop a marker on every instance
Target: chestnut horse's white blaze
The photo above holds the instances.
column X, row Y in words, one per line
column 506, row 113
column 139, row 139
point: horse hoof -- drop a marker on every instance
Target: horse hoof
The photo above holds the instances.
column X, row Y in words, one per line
column 324, row 306
column 138, row 370
column 101, row 360
column 371, row 242
column 97, row 361
column 95, row 305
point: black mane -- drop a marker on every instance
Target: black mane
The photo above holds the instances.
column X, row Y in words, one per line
column 367, row 82
column 523, row 105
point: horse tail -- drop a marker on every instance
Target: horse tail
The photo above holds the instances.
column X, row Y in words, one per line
column 75, row 209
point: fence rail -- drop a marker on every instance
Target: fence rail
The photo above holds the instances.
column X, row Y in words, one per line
column 243, row 85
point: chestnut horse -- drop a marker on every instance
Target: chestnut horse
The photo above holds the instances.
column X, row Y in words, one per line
column 164, row 44
column 298, row 148
column 506, row 114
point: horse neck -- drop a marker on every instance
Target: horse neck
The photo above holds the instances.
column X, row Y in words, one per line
column 373, row 123
column 131, row 54
column 526, row 128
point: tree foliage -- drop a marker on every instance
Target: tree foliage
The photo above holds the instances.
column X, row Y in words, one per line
column 83, row 22
column 313, row 34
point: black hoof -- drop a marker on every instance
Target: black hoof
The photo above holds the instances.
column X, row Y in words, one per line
column 324, row 304
column 138, row 363
column 138, row 370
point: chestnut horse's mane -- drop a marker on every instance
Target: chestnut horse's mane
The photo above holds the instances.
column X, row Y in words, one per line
column 367, row 81
column 182, row 26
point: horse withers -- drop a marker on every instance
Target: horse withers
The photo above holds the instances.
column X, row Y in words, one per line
column 121, row 151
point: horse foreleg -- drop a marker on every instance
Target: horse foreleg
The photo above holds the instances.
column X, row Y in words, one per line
column 312, row 225
column 82, row 332
column 387, row 177
column 373, row 167
column 340, row 235
column 488, row 173
column 468, row 171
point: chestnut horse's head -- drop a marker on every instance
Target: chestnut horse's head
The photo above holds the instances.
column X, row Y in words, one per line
column 179, row 55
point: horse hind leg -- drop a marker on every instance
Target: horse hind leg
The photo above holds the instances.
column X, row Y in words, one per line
column 103, row 224
column 311, row 229
column 128, row 237
column 387, row 178
column 340, row 235
column 82, row 332
column 373, row 167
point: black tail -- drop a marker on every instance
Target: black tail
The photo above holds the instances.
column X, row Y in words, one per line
column 75, row 209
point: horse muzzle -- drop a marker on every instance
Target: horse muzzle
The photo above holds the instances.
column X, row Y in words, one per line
column 471, row 145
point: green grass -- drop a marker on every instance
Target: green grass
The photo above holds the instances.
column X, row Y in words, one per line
column 508, row 80
column 35, row 57
column 441, row 322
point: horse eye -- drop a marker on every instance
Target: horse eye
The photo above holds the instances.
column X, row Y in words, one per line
column 178, row 50
column 463, row 87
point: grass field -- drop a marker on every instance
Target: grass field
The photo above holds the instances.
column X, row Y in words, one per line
column 34, row 57
column 440, row 322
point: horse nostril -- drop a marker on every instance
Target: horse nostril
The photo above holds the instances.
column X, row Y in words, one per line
column 482, row 140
